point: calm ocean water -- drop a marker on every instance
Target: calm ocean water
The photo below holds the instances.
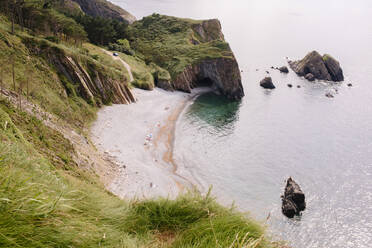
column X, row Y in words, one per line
column 246, row 150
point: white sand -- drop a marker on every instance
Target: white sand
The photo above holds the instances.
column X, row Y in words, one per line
column 139, row 137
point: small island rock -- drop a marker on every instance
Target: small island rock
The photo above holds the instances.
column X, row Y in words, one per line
column 283, row 69
column 293, row 201
column 267, row 83
column 321, row 67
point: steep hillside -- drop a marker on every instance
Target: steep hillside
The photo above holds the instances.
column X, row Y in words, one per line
column 106, row 9
column 194, row 52
column 66, row 81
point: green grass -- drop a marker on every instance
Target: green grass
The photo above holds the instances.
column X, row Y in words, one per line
column 46, row 200
column 142, row 73
column 166, row 41
column 44, row 205
column 45, row 87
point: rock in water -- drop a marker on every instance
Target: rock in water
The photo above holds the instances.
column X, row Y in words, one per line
column 283, row 69
column 310, row 77
column 333, row 67
column 267, row 83
column 293, row 201
column 321, row 67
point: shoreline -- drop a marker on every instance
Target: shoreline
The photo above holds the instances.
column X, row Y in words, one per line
column 140, row 138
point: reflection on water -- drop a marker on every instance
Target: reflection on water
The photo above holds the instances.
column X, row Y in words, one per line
column 217, row 112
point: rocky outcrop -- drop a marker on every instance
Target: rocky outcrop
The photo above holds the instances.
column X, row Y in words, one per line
column 193, row 52
column 267, row 83
column 209, row 30
column 222, row 73
column 94, row 85
column 293, row 201
column 320, row 67
column 333, row 67
column 105, row 9
column 283, row 69
column 82, row 76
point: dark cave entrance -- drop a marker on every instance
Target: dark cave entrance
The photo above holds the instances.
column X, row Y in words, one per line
column 205, row 82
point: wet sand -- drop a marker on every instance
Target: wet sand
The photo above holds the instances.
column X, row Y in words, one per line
column 139, row 138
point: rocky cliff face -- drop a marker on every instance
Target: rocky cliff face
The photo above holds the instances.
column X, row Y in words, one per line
column 83, row 77
column 222, row 75
column 105, row 9
column 318, row 67
column 93, row 85
column 194, row 53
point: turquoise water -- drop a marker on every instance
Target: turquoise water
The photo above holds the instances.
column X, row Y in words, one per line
column 247, row 149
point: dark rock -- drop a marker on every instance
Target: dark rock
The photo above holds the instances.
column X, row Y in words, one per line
column 223, row 73
column 329, row 95
column 293, row 201
column 334, row 68
column 283, row 69
column 298, row 86
column 350, row 85
column 290, row 85
column 267, row 72
column 322, row 68
column 310, row 77
column 267, row 83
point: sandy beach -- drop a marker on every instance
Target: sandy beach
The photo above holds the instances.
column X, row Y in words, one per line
column 139, row 138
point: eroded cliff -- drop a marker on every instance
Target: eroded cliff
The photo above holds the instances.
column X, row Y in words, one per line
column 194, row 52
column 83, row 77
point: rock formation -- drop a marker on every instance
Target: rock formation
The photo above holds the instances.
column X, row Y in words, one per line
column 85, row 78
column 293, row 201
column 223, row 74
column 105, row 9
column 283, row 69
column 267, row 83
column 193, row 52
column 320, row 67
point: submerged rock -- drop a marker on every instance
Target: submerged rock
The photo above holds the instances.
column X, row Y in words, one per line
column 293, row 201
column 283, row 69
column 267, row 83
column 329, row 95
column 321, row 67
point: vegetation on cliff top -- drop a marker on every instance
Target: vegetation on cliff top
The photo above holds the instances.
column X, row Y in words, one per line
column 173, row 43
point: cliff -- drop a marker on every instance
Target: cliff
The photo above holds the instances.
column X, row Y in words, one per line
column 105, row 9
column 194, row 52
column 83, row 76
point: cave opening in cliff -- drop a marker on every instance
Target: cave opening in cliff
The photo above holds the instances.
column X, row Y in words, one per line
column 205, row 82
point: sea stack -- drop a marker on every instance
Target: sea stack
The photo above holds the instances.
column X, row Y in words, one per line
column 293, row 201
column 314, row 66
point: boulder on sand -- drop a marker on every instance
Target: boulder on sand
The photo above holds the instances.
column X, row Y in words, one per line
column 267, row 83
column 293, row 201
column 321, row 67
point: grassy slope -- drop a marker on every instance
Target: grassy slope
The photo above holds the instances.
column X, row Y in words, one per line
column 44, row 204
column 47, row 201
column 166, row 41
column 46, row 87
